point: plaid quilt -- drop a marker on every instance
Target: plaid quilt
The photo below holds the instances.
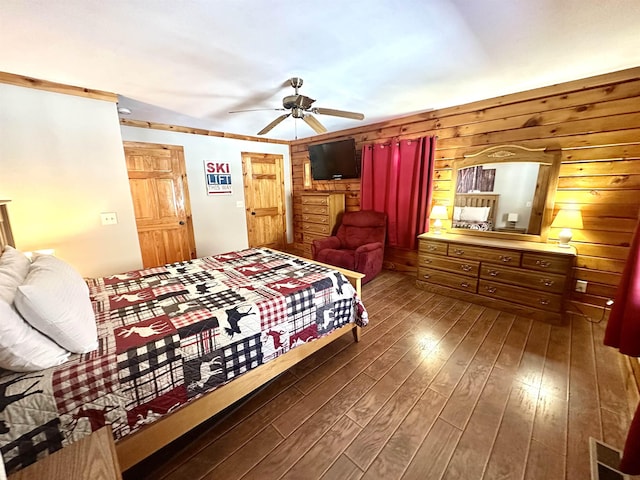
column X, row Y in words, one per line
column 167, row 335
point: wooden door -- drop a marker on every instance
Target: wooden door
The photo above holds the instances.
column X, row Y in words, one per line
column 158, row 182
column 264, row 199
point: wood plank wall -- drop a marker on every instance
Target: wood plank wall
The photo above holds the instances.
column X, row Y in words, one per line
column 595, row 122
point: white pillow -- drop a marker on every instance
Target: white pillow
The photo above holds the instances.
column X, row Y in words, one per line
column 14, row 267
column 54, row 299
column 24, row 349
column 475, row 214
column 457, row 211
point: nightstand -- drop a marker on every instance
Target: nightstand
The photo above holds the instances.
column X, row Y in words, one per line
column 93, row 457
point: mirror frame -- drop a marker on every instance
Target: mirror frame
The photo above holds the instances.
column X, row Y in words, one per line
column 511, row 154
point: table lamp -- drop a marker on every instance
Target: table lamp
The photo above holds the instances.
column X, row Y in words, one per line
column 438, row 213
column 567, row 219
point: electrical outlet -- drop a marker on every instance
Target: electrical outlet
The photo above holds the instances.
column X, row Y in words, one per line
column 581, row 286
column 109, row 218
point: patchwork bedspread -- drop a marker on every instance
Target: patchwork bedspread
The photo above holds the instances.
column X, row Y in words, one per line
column 168, row 335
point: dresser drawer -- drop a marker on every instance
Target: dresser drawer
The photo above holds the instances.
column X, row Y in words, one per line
column 315, row 209
column 463, row 267
column 493, row 255
column 317, row 228
column 447, row 279
column 322, row 219
column 309, row 237
column 427, row 246
column 546, row 263
column 547, row 282
column 523, row 296
column 315, row 200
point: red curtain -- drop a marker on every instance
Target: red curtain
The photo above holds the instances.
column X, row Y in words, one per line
column 397, row 180
column 623, row 332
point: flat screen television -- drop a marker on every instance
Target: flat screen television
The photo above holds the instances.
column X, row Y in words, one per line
column 334, row 160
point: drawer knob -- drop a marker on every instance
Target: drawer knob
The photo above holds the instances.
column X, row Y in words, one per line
column 543, row 263
column 491, row 289
column 465, row 267
column 427, row 276
column 505, row 258
column 494, row 273
column 544, row 301
column 431, row 248
column 546, row 282
column 464, row 285
column 428, row 260
column 457, row 251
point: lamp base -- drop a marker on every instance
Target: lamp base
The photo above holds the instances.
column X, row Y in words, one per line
column 437, row 226
column 564, row 237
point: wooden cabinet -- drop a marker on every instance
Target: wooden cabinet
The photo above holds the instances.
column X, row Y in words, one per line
column 92, row 457
column 320, row 213
column 526, row 278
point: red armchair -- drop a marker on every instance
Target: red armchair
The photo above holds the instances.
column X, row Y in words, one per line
column 358, row 244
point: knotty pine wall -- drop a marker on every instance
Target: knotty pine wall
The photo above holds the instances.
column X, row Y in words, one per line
column 595, row 122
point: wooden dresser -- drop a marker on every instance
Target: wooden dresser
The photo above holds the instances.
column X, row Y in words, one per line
column 526, row 278
column 321, row 211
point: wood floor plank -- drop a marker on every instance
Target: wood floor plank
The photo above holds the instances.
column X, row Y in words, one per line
column 550, row 424
column 532, row 362
column 343, row 469
column 224, row 446
column 321, row 456
column 243, row 460
column 460, row 405
column 511, row 447
column 472, row 452
column 435, row 453
column 555, row 375
column 398, row 452
column 297, row 444
column 544, row 463
column 511, row 353
column 584, row 412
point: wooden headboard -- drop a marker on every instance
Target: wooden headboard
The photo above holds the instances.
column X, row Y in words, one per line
column 479, row 200
column 6, row 236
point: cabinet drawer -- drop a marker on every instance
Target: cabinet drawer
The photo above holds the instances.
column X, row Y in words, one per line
column 308, row 237
column 427, row 246
column 323, row 219
column 493, row 255
column 547, row 263
column 315, row 200
column 463, row 267
column 523, row 296
column 316, row 228
column 547, row 282
column 315, row 209
column 447, row 279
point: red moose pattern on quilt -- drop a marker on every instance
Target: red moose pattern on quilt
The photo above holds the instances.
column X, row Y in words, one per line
column 169, row 334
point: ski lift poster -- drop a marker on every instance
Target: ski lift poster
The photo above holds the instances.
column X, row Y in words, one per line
column 218, row 176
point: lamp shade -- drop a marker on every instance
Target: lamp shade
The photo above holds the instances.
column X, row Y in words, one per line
column 568, row 219
column 439, row 212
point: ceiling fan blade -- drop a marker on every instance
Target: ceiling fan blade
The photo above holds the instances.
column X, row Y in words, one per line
column 257, row 110
column 338, row 113
column 273, row 124
column 314, row 123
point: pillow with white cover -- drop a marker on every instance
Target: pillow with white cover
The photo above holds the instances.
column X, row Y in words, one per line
column 457, row 211
column 14, row 267
column 475, row 214
column 23, row 348
column 54, row 299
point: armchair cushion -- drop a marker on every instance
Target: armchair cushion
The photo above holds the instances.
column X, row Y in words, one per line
column 323, row 244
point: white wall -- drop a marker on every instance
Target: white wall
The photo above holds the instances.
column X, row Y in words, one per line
column 61, row 164
column 219, row 222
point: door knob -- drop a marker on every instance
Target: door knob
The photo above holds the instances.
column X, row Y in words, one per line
column 253, row 213
column 181, row 222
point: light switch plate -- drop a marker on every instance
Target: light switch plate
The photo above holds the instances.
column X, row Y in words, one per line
column 581, row 286
column 109, row 218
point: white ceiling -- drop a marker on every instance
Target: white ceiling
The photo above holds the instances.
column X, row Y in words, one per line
column 189, row 62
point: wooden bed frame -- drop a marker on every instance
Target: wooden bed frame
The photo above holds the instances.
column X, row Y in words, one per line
column 479, row 200
column 151, row 438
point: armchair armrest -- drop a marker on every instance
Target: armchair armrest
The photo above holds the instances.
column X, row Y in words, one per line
column 323, row 244
column 368, row 247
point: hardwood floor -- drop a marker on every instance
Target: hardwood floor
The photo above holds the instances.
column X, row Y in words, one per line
column 436, row 389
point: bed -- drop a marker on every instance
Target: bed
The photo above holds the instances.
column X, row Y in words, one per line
column 475, row 211
column 176, row 345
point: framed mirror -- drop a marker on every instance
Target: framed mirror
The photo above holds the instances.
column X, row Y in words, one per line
column 506, row 191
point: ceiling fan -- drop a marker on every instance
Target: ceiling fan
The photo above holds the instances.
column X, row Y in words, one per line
column 300, row 106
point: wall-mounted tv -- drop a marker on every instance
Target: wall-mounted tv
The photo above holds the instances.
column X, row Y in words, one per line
column 334, row 160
